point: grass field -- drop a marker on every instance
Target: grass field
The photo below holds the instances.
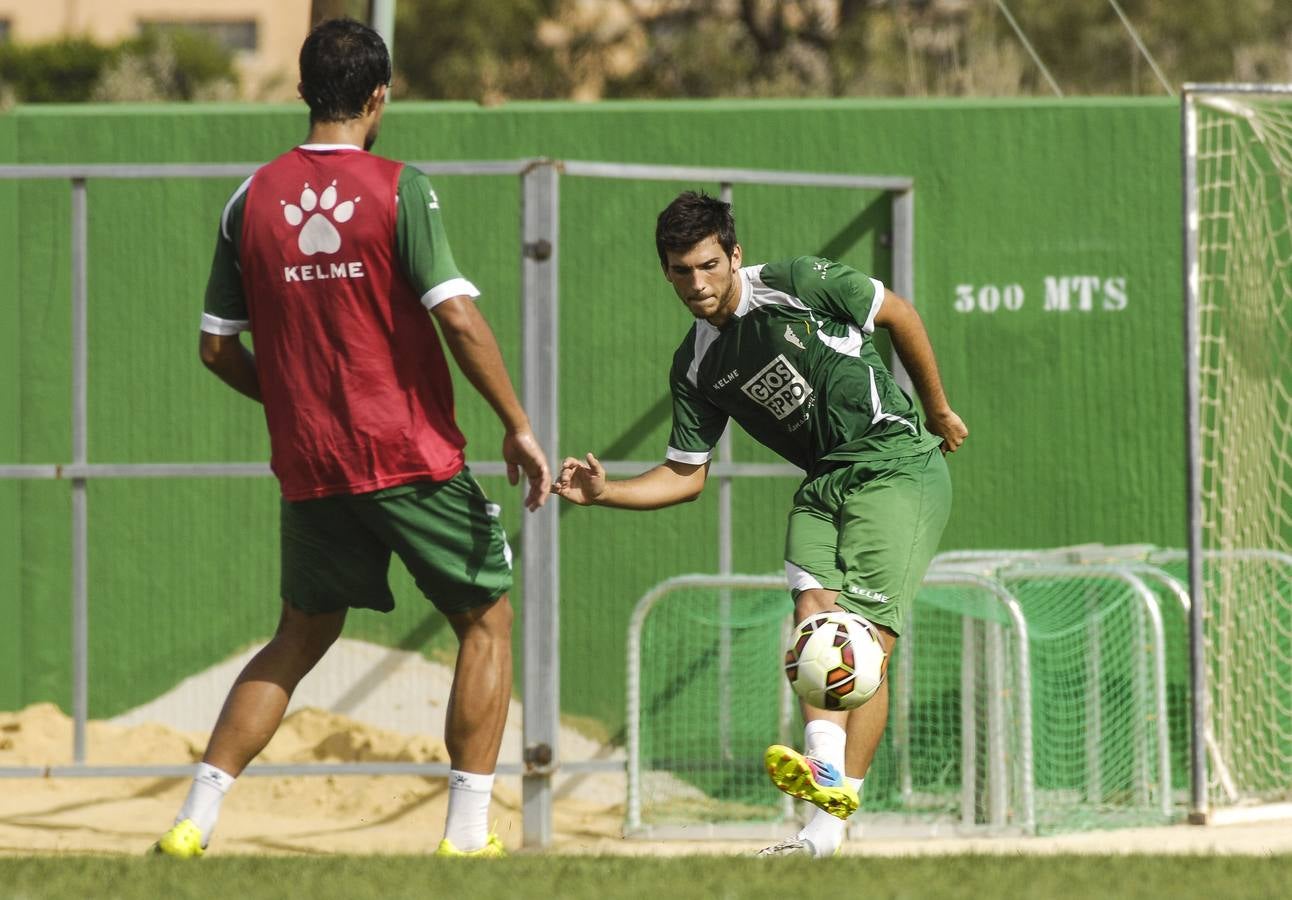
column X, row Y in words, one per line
column 594, row 878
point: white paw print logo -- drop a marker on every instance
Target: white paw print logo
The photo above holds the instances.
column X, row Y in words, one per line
column 319, row 234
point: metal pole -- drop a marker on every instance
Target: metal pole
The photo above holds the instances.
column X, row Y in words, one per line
column 1023, row 678
column 633, row 802
column 903, row 268
column 540, row 564
column 383, row 22
column 1163, row 724
column 1198, row 807
column 968, row 722
column 80, row 516
column 902, row 691
column 1139, row 687
column 1151, row 672
column 1094, row 704
column 724, row 568
column 1026, row 756
column 997, row 745
column 904, row 286
column 786, row 706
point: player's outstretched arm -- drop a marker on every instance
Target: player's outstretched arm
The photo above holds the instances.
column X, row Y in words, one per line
column 231, row 362
column 911, row 342
column 583, row 482
column 474, row 347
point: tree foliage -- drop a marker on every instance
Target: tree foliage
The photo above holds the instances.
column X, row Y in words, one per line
column 588, row 49
column 60, row 71
column 495, row 50
column 180, row 65
column 480, row 50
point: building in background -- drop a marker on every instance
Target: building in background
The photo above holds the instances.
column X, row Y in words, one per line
column 264, row 35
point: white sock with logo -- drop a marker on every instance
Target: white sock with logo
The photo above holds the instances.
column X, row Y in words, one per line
column 824, row 831
column 825, row 740
column 467, row 825
column 204, row 798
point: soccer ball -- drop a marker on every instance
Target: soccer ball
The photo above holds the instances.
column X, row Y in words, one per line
column 835, row 660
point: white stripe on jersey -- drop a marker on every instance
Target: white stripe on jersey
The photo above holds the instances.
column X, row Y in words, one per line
column 454, row 287
column 705, row 335
column 755, row 294
column 849, row 344
column 690, row 457
column 215, row 325
column 880, row 415
column 869, row 325
column 760, row 294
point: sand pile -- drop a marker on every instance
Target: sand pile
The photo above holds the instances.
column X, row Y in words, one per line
column 364, row 703
column 388, row 689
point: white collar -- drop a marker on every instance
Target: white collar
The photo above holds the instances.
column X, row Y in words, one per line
column 746, row 291
column 329, row 147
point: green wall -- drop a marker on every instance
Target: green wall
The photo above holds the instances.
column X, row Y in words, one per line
column 1075, row 415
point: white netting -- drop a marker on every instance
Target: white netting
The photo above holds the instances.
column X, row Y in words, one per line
column 1244, row 313
column 1053, row 717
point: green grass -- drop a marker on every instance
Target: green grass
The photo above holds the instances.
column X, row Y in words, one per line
column 596, row 878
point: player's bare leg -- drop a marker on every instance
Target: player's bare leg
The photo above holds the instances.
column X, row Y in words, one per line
column 839, row 746
column 477, row 710
column 252, row 712
column 477, row 715
column 866, row 723
column 255, row 706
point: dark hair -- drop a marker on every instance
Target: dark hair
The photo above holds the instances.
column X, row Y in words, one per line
column 690, row 219
column 342, row 63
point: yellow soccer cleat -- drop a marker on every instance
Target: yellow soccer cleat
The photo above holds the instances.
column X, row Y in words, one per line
column 810, row 779
column 184, row 841
column 491, row 850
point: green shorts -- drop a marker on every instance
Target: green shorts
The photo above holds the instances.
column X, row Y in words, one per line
column 336, row 550
column 869, row 531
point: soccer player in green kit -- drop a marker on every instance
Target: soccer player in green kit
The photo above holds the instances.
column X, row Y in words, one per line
column 785, row 350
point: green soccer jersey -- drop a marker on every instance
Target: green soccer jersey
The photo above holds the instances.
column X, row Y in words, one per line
column 796, row 368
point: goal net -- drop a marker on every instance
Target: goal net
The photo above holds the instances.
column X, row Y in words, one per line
column 1239, row 197
column 1024, row 700
column 706, row 696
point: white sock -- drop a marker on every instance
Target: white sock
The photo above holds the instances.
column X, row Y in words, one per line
column 825, row 740
column 467, row 825
column 825, row 832
column 204, row 798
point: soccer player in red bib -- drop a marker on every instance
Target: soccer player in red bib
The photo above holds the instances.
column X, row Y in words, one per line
column 332, row 258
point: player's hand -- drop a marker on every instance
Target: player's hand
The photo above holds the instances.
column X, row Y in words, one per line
column 580, row 481
column 521, row 451
column 948, row 426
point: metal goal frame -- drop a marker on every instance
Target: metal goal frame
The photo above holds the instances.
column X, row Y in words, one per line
column 1200, row 811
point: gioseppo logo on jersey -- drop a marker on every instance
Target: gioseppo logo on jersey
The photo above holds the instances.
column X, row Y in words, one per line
column 320, row 234
column 779, row 387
